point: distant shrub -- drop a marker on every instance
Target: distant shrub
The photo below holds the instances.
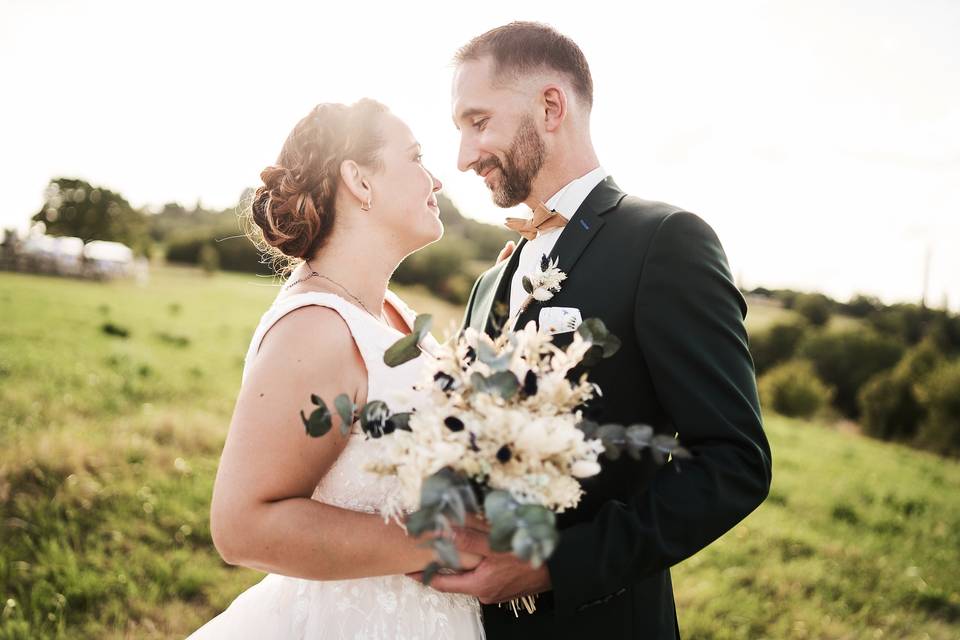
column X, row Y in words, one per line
column 908, row 322
column 846, row 359
column 940, row 394
column 793, row 389
column 209, row 259
column 888, row 402
column 815, row 307
column 115, row 330
column 442, row 268
column 777, row 344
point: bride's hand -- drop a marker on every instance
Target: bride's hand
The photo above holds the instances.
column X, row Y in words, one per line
column 507, row 251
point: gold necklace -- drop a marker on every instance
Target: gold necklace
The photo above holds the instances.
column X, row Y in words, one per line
column 314, row 274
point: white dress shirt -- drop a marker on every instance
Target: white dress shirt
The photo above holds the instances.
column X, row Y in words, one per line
column 566, row 202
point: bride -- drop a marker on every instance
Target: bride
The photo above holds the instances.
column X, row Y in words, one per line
column 348, row 199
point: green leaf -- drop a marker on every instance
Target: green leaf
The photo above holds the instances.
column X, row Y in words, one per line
column 498, row 502
column 421, row 326
column 403, row 350
column 638, row 437
column 422, row 520
column 503, row 383
column 501, row 532
column 523, row 544
column 534, row 514
column 527, row 284
column 430, row 571
column 488, row 355
column 611, row 435
column 611, row 345
column 402, row 420
column 319, row 422
column 589, row 428
column 447, row 552
column 454, row 508
column 546, row 538
column 434, row 487
column 345, row 409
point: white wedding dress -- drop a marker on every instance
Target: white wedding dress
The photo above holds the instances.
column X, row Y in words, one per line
column 397, row 607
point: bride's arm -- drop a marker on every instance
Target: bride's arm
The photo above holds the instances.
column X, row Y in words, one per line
column 262, row 515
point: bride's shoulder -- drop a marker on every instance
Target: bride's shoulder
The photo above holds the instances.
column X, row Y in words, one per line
column 316, row 331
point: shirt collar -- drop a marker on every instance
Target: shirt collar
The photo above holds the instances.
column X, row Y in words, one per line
column 569, row 198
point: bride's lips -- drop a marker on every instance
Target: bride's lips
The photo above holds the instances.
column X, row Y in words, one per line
column 433, row 205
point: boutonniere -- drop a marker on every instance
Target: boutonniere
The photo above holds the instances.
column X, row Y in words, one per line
column 542, row 284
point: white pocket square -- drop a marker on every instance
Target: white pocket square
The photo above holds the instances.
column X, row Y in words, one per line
column 559, row 319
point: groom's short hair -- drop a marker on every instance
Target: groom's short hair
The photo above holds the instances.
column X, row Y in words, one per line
column 525, row 47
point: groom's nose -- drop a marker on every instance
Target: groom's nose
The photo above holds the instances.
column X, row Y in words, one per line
column 468, row 156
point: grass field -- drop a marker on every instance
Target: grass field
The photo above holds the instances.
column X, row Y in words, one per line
column 109, row 445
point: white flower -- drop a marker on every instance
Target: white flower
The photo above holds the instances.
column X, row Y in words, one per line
column 584, row 468
column 541, row 294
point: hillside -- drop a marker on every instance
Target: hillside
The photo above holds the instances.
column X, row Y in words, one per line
column 109, row 445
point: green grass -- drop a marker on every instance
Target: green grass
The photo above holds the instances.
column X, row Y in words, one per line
column 109, row 445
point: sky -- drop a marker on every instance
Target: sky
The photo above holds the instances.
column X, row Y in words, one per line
column 820, row 139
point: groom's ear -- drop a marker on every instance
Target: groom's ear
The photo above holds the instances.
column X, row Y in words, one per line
column 554, row 106
column 353, row 178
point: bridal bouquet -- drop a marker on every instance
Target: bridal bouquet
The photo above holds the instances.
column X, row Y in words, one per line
column 501, row 434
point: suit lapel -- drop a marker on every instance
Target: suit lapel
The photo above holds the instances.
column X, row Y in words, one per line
column 577, row 234
column 494, row 290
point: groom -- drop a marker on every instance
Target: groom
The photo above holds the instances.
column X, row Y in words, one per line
column 658, row 278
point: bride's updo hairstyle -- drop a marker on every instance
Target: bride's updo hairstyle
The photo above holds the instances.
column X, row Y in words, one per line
column 294, row 208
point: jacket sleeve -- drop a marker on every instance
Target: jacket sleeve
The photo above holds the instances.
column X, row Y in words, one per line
column 689, row 325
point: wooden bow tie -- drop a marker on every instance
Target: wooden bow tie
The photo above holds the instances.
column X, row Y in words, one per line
column 543, row 219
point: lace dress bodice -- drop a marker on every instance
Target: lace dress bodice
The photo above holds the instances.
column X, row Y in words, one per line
column 376, row 608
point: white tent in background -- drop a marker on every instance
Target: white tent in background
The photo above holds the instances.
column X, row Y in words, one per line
column 107, row 259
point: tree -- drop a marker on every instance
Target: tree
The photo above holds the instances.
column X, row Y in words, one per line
column 74, row 207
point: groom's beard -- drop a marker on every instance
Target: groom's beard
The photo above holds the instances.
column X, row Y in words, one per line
column 522, row 163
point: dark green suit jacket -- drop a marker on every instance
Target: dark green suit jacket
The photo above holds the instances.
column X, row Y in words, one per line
column 658, row 278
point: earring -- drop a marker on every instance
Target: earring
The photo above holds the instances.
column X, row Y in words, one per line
column 366, row 207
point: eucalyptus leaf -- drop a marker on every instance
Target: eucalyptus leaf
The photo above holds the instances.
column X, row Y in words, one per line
column 345, row 409
column 447, row 552
column 498, row 502
column 421, row 326
column 501, row 533
column 403, row 350
column 612, row 437
column 534, row 514
column 669, row 445
column 454, row 508
column 422, row 520
column 546, row 537
column 611, row 345
column 434, row 488
column 527, row 284
column 401, row 420
column 488, row 355
column 638, row 438
column 469, row 497
column 319, row 422
column 430, row 571
column 523, row 544
column 589, row 428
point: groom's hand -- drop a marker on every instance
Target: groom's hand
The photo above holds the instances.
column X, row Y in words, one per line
column 498, row 578
column 507, row 251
